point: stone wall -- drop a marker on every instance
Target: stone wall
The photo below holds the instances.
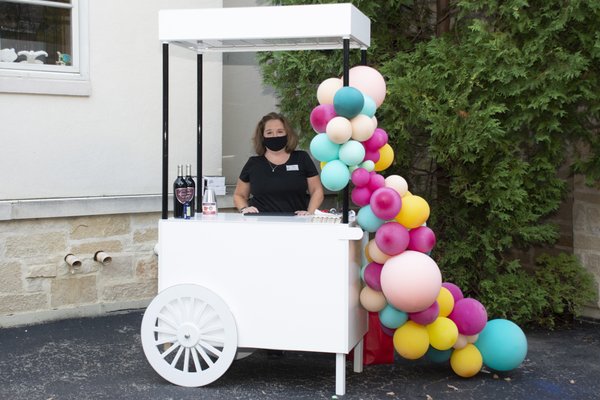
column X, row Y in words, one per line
column 586, row 234
column 36, row 284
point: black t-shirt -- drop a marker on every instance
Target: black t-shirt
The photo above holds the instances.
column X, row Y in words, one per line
column 279, row 188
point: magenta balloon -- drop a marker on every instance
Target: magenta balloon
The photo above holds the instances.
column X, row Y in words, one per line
column 372, row 275
column 391, row 237
column 377, row 181
column 361, row 196
column 386, row 203
column 386, row 330
column 360, row 177
column 372, row 155
column 454, row 290
column 421, row 239
column 377, row 140
column 320, row 116
column 469, row 315
column 426, row 316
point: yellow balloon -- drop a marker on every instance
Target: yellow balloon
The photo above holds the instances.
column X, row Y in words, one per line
column 414, row 212
column 367, row 255
column 372, row 300
column 442, row 333
column 445, row 301
column 467, row 361
column 323, row 164
column 386, row 158
column 411, row 340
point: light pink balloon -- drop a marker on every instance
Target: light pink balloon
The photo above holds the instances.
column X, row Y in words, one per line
column 369, row 81
column 411, row 281
column 421, row 239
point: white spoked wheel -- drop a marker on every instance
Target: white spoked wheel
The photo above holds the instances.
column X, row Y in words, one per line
column 189, row 335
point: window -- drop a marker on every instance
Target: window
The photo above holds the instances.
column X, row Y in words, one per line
column 43, row 47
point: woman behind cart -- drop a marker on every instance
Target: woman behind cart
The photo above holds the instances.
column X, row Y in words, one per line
column 279, row 178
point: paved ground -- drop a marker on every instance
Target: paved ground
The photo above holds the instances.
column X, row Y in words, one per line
column 102, row 358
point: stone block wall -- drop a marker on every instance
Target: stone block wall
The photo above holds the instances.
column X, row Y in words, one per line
column 36, row 284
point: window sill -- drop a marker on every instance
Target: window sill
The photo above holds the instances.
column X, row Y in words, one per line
column 34, row 85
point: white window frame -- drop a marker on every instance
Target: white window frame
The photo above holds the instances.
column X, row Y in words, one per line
column 70, row 80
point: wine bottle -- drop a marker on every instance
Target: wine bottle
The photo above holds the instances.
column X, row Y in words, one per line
column 179, row 193
column 191, row 190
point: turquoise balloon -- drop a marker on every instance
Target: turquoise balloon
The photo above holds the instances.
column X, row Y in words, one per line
column 392, row 318
column 362, row 272
column 438, row 356
column 367, row 220
column 369, row 107
column 502, row 345
column 324, row 149
column 335, row 175
column 352, row 153
column 348, row 102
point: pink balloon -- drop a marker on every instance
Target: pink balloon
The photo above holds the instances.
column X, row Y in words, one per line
column 426, row 316
column 469, row 315
column 386, row 330
column 372, row 155
column 391, row 237
column 369, row 81
column 421, row 239
column 360, row 177
column 385, row 203
column 454, row 290
column 372, row 276
column 411, row 281
column 320, row 116
column 361, row 196
column 377, row 181
column 377, row 140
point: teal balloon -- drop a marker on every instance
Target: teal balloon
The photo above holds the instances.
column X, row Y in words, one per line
column 438, row 356
column 348, row 102
column 369, row 107
column 324, row 149
column 352, row 153
column 335, row 175
column 362, row 272
column 392, row 318
column 502, row 345
column 367, row 220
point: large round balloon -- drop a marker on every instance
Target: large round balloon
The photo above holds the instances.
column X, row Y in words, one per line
column 327, row 89
column 466, row 362
column 339, row 130
column 411, row 281
column 320, row 116
column 502, row 344
column 414, row 211
column 386, row 158
column 362, row 127
column 469, row 315
column 348, row 102
column 335, row 175
column 366, row 219
column 411, row 340
column 442, row 333
column 369, row 81
column 324, row 149
column 352, row 153
column 386, row 203
column 391, row 237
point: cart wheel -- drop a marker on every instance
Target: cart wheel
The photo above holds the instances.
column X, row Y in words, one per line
column 189, row 335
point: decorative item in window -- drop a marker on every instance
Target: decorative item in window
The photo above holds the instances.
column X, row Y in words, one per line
column 32, row 56
column 8, row 55
column 63, row 59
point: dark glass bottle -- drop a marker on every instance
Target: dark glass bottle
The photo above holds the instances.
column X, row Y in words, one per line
column 179, row 193
column 191, row 189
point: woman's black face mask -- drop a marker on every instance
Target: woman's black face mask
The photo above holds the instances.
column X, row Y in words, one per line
column 275, row 143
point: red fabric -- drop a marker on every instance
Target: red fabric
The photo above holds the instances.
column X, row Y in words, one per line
column 378, row 346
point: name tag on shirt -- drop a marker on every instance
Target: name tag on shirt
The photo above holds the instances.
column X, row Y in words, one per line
column 293, row 167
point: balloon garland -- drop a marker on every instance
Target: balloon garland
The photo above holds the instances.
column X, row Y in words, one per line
column 426, row 317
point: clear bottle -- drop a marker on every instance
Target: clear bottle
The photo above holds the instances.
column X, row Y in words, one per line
column 191, row 191
column 179, row 194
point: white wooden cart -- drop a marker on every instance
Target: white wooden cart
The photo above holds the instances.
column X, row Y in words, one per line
column 232, row 283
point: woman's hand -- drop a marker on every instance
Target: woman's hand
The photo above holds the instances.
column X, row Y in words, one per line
column 249, row 210
column 302, row 212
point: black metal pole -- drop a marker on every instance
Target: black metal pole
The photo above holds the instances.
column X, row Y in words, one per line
column 199, row 175
column 363, row 57
column 346, row 201
column 165, row 133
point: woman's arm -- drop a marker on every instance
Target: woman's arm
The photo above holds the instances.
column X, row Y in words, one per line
column 316, row 193
column 240, row 197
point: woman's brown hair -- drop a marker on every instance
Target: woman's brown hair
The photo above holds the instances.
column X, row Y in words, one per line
column 257, row 139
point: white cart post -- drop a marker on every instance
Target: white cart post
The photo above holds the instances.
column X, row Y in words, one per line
column 218, row 290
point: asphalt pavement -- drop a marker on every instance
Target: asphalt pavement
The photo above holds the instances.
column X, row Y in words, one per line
column 102, row 358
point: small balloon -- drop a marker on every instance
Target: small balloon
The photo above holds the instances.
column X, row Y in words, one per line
column 352, row 153
column 426, row 316
column 391, row 237
column 457, row 294
column 362, row 127
column 367, row 220
column 348, row 101
column 372, row 275
column 422, row 239
column 397, row 183
column 411, row 340
column 466, row 362
column 327, row 89
column 386, row 158
column 414, row 212
column 339, row 130
column 446, row 302
column 320, row 116
column 372, row 300
column 335, row 175
column 375, row 182
column 324, row 149
column 360, row 177
column 377, row 140
column 392, row 318
column 376, row 254
column 361, row 196
column 442, row 333
column 386, row 203
column 469, row 315
column 369, row 107
column 368, row 165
